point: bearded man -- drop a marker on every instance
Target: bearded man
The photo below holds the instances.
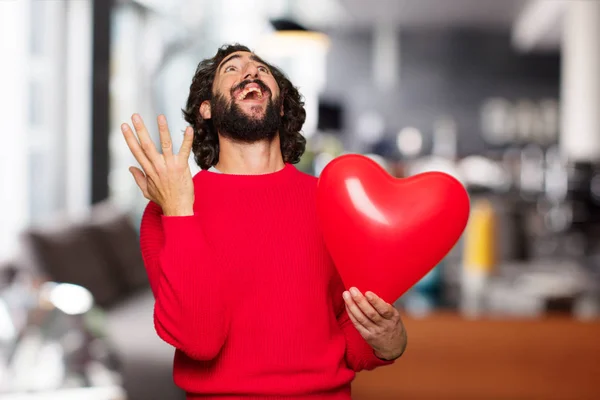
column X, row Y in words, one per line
column 245, row 290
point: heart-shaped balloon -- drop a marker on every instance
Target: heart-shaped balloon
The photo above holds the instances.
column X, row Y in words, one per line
column 384, row 233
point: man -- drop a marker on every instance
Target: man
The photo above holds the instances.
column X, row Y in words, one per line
column 244, row 287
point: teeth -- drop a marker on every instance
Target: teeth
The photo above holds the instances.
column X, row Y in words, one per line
column 243, row 95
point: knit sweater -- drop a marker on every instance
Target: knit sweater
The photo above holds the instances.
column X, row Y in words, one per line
column 248, row 295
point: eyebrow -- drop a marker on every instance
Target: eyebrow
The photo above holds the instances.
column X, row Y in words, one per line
column 234, row 56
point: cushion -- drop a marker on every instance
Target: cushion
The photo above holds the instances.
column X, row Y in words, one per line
column 69, row 253
column 119, row 241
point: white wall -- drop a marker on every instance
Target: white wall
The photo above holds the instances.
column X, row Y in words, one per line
column 45, row 105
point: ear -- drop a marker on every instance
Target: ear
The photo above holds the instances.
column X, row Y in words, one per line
column 281, row 111
column 205, row 109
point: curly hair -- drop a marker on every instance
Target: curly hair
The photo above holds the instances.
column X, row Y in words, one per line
column 206, row 141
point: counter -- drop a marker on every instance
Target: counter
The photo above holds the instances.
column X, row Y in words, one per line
column 449, row 357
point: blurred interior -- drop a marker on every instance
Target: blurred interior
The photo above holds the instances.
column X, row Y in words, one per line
column 496, row 93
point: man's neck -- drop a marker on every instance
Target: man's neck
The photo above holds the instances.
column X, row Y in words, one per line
column 249, row 159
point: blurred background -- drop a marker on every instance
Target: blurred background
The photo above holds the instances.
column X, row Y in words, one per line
column 502, row 94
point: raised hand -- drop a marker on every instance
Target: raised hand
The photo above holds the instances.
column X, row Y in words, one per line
column 166, row 178
column 378, row 322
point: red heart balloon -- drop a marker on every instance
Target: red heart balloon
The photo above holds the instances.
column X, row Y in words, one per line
column 384, row 233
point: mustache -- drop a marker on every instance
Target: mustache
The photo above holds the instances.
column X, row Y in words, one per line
column 242, row 85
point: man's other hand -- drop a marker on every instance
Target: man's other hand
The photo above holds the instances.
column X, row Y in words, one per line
column 378, row 322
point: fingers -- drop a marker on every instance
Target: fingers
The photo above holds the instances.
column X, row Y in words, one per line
column 357, row 312
column 167, row 144
column 165, row 137
column 145, row 140
column 384, row 309
column 136, row 150
column 364, row 306
column 186, row 146
column 361, row 329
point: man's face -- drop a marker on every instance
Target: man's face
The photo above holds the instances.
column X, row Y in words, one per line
column 231, row 81
column 246, row 105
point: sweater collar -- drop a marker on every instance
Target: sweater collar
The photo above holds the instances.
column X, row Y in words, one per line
column 270, row 178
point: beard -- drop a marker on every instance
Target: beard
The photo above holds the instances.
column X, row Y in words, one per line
column 232, row 122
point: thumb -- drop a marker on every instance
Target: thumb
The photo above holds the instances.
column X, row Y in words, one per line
column 188, row 140
column 140, row 179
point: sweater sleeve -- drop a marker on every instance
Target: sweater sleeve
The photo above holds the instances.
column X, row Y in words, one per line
column 359, row 354
column 190, row 311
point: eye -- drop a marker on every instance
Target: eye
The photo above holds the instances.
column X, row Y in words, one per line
column 230, row 68
column 263, row 69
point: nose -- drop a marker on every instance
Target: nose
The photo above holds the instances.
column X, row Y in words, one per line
column 251, row 71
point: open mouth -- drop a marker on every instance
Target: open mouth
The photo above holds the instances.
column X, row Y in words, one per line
column 252, row 91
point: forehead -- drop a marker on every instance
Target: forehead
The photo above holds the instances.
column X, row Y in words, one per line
column 242, row 56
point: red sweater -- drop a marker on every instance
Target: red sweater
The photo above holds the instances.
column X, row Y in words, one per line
column 248, row 295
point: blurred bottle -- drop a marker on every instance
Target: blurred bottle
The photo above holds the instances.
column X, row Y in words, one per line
column 556, row 179
column 445, row 138
column 531, row 182
column 479, row 257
